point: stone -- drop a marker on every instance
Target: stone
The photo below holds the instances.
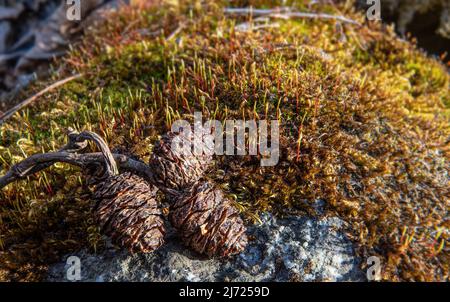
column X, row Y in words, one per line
column 284, row 249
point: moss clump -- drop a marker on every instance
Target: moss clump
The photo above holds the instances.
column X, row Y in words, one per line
column 365, row 127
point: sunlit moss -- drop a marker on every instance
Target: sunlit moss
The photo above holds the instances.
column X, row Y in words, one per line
column 365, row 128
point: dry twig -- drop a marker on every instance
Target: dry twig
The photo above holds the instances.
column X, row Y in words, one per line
column 26, row 102
column 286, row 13
column 105, row 160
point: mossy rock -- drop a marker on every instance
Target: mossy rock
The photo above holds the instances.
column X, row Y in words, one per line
column 364, row 124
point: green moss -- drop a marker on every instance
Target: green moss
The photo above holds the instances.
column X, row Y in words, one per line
column 365, row 126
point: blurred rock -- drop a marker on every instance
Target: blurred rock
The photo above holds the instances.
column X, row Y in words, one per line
column 11, row 12
column 33, row 33
column 407, row 10
column 5, row 33
column 426, row 20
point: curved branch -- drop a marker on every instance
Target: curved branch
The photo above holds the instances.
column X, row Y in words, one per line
column 38, row 162
column 68, row 154
column 111, row 166
column 78, row 142
column 72, row 146
column 21, row 105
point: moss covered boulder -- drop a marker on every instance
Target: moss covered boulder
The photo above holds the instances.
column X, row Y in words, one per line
column 364, row 127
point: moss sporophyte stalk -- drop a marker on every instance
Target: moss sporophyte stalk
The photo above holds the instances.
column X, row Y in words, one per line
column 363, row 125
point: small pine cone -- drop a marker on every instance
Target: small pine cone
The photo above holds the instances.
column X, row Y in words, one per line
column 208, row 222
column 127, row 211
column 174, row 171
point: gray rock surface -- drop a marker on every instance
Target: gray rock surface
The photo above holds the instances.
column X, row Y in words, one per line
column 288, row 249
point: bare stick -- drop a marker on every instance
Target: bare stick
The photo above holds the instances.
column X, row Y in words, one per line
column 26, row 102
column 286, row 13
column 111, row 166
column 38, row 162
column 175, row 32
column 74, row 145
column 248, row 26
column 254, row 11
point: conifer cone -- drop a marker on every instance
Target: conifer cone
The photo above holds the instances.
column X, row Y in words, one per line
column 173, row 171
column 127, row 211
column 208, row 222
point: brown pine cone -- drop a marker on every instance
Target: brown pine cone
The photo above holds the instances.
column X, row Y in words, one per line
column 174, row 172
column 127, row 211
column 208, row 222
